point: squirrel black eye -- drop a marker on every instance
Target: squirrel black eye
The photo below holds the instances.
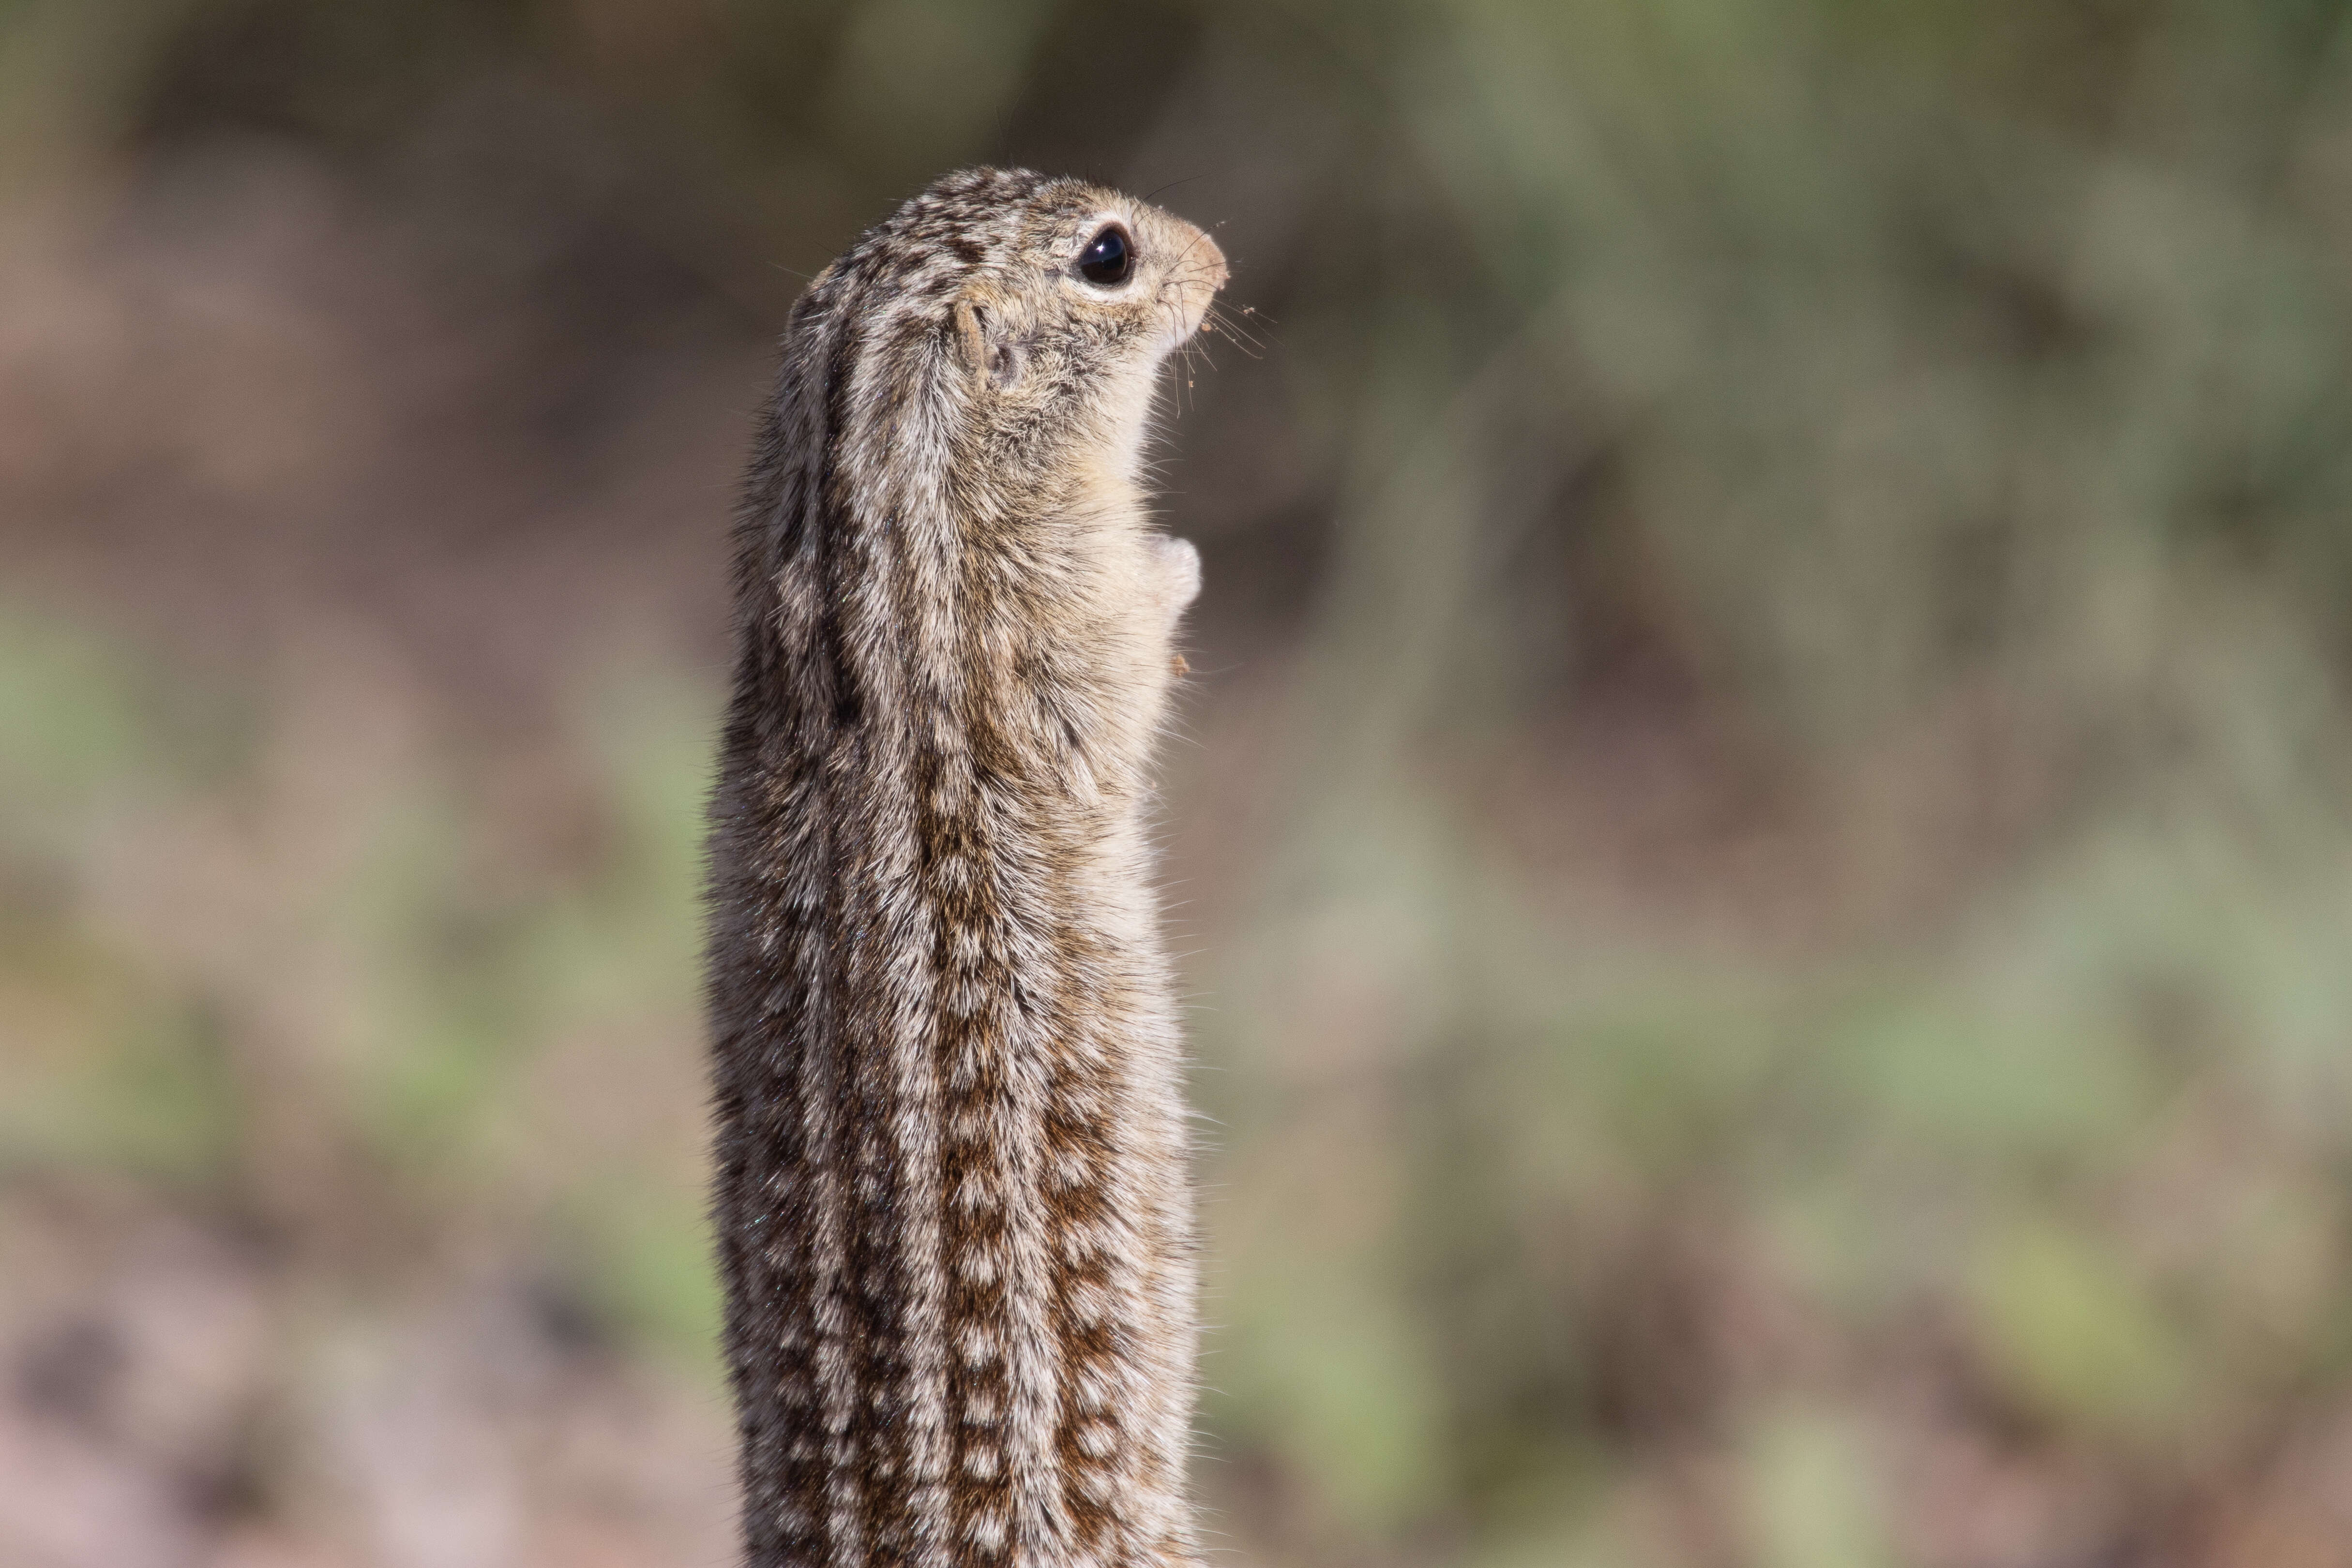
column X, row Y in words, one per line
column 1107, row 258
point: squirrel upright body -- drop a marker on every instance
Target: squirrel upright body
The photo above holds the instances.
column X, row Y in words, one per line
column 952, row 1196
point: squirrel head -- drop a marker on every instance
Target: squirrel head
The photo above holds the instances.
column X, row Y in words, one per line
column 1080, row 303
column 1003, row 332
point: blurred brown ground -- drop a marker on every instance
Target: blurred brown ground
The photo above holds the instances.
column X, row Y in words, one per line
column 1759, row 836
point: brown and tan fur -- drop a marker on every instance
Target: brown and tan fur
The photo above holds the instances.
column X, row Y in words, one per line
column 951, row 1199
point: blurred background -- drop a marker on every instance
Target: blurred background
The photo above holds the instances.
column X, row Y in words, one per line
column 1760, row 840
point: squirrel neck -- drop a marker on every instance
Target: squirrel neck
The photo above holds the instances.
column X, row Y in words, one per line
column 950, row 1201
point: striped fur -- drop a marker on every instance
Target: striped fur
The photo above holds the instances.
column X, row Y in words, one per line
column 950, row 1198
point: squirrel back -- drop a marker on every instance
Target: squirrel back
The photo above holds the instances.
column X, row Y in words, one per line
column 950, row 1201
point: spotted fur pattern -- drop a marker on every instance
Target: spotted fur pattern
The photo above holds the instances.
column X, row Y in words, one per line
column 950, row 1199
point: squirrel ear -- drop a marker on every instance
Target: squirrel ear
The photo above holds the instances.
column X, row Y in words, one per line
column 993, row 353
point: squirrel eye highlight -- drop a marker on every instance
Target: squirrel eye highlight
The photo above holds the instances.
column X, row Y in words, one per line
column 1109, row 259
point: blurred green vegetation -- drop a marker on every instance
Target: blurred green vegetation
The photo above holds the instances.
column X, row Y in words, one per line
column 437, row 989
column 1773, row 881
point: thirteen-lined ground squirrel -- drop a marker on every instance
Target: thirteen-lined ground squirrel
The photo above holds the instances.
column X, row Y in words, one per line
column 952, row 1195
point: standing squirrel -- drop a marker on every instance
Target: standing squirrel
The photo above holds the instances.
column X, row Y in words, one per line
column 952, row 1204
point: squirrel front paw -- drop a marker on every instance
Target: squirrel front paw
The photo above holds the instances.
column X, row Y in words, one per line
column 1175, row 578
column 1178, row 568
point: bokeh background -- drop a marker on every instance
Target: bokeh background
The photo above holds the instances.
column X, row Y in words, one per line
column 1760, row 837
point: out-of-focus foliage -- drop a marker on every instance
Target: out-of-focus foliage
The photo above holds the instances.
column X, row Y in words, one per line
column 1760, row 846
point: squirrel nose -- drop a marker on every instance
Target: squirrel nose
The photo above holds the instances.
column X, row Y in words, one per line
column 1215, row 259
